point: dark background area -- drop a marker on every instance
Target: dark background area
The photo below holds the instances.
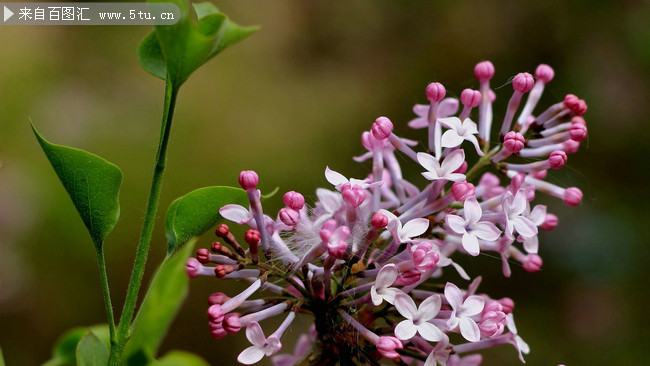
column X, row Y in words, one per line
column 294, row 98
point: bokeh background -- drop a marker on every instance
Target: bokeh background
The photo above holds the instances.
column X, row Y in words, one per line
column 294, row 98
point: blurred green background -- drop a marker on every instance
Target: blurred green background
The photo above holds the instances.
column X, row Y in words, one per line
column 294, row 98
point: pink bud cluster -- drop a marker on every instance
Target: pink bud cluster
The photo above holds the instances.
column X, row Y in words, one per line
column 365, row 257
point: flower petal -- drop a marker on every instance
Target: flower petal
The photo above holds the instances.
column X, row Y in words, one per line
column 255, row 335
column 235, row 213
column 453, row 161
column 531, row 245
column 469, row 329
column 417, row 123
column 405, row 330
column 524, row 227
column 421, row 110
column 415, row 227
column 538, row 215
column 428, row 162
column 472, row 210
column 470, row 243
column 250, row 355
column 473, row 305
column 456, row 223
column 474, row 141
column 386, row 276
column 451, row 139
column 453, row 295
column 430, row 307
column 486, row 231
column 335, row 178
column 405, row 305
column 447, row 107
column 450, row 122
column 429, row 332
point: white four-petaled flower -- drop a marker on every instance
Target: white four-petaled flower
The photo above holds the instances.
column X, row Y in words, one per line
column 458, row 132
column 438, row 171
column 513, row 208
column 417, row 318
column 408, row 231
column 261, row 346
column 463, row 311
column 471, row 228
column 381, row 290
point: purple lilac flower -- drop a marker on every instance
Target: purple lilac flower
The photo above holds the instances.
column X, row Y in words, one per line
column 362, row 263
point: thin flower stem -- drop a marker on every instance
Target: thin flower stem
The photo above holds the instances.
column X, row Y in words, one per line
column 107, row 293
column 124, row 328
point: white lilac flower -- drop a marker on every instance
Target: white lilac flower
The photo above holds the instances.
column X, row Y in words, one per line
column 405, row 233
column 459, row 131
column 514, row 208
column 463, row 311
column 417, row 318
column 444, row 171
column 381, row 290
column 361, row 256
column 471, row 228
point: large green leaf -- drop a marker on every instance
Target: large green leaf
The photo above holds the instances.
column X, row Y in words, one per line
column 197, row 211
column 180, row 358
column 64, row 351
column 176, row 51
column 91, row 351
column 2, row 358
column 92, row 183
column 164, row 297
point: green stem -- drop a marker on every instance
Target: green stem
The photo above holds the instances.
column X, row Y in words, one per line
column 482, row 163
column 107, row 293
column 124, row 328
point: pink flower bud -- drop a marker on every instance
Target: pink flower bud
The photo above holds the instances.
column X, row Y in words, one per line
column 408, row 278
column 492, row 323
column 382, row 128
column 508, row 304
column 516, row 182
column 218, row 332
column 523, row 82
column 221, row 270
column 366, row 140
column 557, row 159
column 514, row 142
column 289, row 217
column 353, row 195
column 572, row 196
column 570, row 146
column 492, row 96
column 462, row 190
column 462, row 169
column 218, row 298
column 218, row 248
column 550, row 222
column 423, row 260
column 484, row 71
column 231, row 323
column 337, row 249
column 544, row 73
column 492, row 305
column 578, row 132
column 216, row 313
column 248, row 179
column 435, row 92
column 379, row 221
column 532, row 263
column 489, row 180
column 540, row 174
column 294, row 200
column 252, row 236
column 193, row 267
column 203, row 255
column 576, row 105
column 222, row 230
column 578, row 119
column 470, row 98
column 387, row 345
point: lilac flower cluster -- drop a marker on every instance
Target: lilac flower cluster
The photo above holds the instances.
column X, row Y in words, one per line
column 365, row 258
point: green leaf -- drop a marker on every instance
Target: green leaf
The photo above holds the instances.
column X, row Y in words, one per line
column 164, row 297
column 64, row 351
column 176, row 51
column 91, row 351
column 197, row 211
column 92, row 183
column 180, row 358
column 2, row 358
